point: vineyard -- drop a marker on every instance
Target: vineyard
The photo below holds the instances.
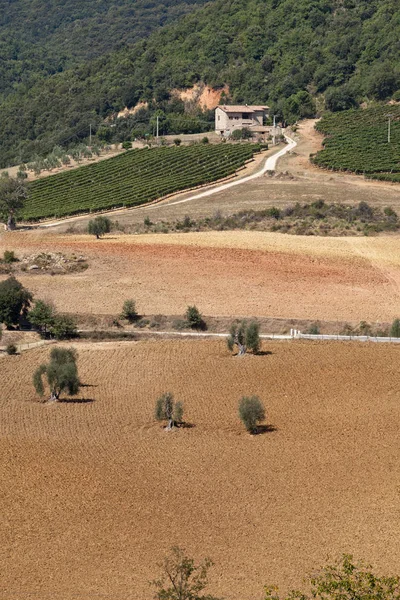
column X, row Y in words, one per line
column 133, row 178
column 357, row 141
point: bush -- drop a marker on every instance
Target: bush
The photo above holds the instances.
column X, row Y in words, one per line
column 205, row 140
column 63, row 327
column 11, row 349
column 251, row 412
column 9, row 257
column 395, row 329
column 126, row 145
column 194, row 318
column 177, row 141
column 129, row 311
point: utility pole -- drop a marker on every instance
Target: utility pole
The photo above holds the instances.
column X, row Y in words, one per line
column 389, row 117
column 157, row 128
column 90, row 135
column 274, row 130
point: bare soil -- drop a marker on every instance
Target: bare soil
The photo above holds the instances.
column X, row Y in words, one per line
column 94, row 492
column 226, row 274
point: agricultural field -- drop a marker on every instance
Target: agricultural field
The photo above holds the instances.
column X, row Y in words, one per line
column 357, row 141
column 94, row 492
column 230, row 274
column 133, row 178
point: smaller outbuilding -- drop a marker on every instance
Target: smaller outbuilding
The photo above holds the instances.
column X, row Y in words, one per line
column 228, row 118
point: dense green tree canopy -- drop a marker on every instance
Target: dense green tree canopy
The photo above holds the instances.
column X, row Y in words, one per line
column 265, row 50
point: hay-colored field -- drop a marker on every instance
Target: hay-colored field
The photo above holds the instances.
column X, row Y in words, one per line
column 231, row 274
column 93, row 494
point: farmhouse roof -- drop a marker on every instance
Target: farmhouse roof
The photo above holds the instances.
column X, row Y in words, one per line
column 241, row 108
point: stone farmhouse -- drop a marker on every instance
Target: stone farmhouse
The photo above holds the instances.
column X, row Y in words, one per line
column 229, row 118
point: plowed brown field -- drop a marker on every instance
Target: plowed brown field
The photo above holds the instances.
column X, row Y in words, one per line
column 231, row 274
column 94, row 493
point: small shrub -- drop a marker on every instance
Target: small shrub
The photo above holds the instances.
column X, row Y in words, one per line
column 205, row 140
column 126, row 145
column 395, row 329
column 313, row 329
column 129, row 311
column 9, row 257
column 11, row 349
column 177, row 141
column 194, row 318
column 251, row 412
column 147, row 222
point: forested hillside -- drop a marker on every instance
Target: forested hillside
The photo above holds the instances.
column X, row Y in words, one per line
column 283, row 52
column 43, row 37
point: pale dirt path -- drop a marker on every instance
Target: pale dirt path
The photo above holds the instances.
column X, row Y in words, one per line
column 269, row 165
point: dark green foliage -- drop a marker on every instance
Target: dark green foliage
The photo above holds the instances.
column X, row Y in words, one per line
column 246, row 336
column 395, row 329
column 14, row 301
column 61, row 374
column 11, row 349
column 253, row 337
column 45, row 319
column 133, row 178
column 63, row 327
column 177, row 141
column 357, row 141
column 181, row 578
column 266, row 52
column 338, row 99
column 13, row 194
column 344, row 580
column 9, row 257
column 313, row 329
column 127, row 145
column 42, row 316
column 194, row 318
column 99, row 226
column 251, row 412
column 168, row 410
column 129, row 311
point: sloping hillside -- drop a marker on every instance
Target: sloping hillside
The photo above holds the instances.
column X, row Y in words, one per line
column 284, row 52
column 38, row 39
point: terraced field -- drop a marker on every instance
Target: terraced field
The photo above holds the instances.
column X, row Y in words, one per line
column 357, row 141
column 133, row 178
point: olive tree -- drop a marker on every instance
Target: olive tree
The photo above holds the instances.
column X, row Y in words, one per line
column 194, row 318
column 181, row 578
column 13, row 193
column 251, row 412
column 169, row 410
column 246, row 336
column 99, row 226
column 61, row 374
column 345, row 579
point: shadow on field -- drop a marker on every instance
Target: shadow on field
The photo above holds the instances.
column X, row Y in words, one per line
column 85, row 385
column 261, row 429
column 76, row 400
column 185, row 425
column 264, row 353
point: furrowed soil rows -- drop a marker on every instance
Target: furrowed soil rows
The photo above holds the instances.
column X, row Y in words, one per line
column 94, row 492
column 133, row 178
